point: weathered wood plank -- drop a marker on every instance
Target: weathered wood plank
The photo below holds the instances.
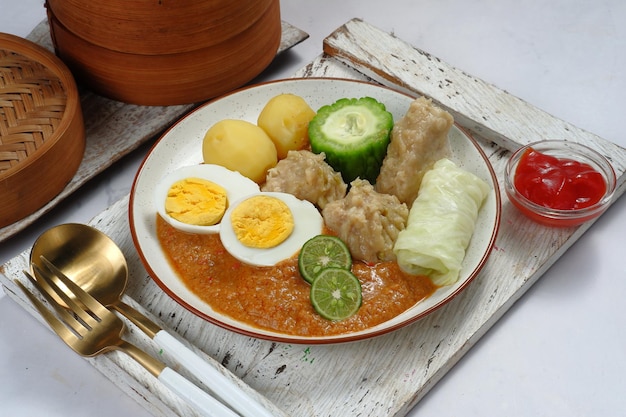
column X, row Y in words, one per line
column 477, row 105
column 114, row 129
column 385, row 376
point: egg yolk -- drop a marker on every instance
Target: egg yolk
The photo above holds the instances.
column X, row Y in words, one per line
column 196, row 201
column 262, row 222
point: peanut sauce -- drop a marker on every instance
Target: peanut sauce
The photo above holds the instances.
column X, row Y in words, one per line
column 277, row 298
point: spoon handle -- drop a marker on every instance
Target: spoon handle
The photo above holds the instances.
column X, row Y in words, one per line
column 207, row 405
column 185, row 389
column 217, row 382
column 211, row 377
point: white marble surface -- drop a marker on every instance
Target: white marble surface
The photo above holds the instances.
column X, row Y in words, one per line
column 560, row 351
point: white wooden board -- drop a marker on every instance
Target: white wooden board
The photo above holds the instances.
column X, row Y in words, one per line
column 388, row 375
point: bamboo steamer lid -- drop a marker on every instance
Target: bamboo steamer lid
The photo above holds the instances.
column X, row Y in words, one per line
column 165, row 52
column 42, row 135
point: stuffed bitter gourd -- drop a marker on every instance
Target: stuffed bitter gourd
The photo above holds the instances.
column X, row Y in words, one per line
column 354, row 134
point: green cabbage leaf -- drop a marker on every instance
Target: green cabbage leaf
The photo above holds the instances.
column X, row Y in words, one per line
column 441, row 223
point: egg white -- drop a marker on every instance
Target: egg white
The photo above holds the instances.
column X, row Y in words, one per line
column 308, row 223
column 235, row 184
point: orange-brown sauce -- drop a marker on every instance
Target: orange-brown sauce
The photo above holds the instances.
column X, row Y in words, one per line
column 277, row 298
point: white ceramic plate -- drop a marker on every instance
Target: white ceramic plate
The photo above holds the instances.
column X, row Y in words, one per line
column 181, row 145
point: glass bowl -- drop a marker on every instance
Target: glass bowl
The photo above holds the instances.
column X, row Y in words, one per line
column 561, row 149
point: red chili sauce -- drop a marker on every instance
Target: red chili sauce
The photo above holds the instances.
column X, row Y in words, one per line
column 558, row 183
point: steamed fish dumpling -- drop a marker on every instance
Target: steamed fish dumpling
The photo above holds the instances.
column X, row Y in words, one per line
column 418, row 140
column 441, row 223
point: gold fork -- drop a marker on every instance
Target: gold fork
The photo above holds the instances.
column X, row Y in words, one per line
column 92, row 329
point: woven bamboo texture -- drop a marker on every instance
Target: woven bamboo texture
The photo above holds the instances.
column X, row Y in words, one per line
column 32, row 104
column 42, row 134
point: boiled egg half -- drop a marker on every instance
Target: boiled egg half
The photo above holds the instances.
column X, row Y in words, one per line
column 265, row 228
column 194, row 198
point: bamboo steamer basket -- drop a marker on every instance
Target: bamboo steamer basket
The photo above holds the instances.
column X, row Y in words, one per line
column 165, row 52
column 144, row 27
column 42, row 134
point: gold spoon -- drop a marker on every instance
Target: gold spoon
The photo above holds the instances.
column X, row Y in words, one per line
column 96, row 264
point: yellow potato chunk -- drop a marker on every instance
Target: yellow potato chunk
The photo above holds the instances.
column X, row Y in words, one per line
column 240, row 146
column 196, row 201
column 262, row 222
column 285, row 118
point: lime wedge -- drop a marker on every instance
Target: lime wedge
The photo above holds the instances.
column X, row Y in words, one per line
column 336, row 294
column 321, row 252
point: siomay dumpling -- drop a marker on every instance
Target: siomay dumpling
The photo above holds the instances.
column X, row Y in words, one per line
column 441, row 223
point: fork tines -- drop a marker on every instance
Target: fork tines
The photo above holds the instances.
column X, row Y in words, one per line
column 68, row 323
column 49, row 281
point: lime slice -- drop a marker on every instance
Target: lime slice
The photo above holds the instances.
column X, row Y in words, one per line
column 336, row 294
column 321, row 252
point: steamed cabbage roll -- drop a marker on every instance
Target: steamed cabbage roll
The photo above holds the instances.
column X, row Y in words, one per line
column 441, row 223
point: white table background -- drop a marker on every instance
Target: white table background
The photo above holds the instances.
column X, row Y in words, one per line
column 561, row 349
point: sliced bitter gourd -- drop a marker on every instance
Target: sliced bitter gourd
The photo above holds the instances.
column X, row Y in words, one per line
column 354, row 134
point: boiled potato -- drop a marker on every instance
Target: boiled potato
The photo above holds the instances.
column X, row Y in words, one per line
column 285, row 118
column 240, row 146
